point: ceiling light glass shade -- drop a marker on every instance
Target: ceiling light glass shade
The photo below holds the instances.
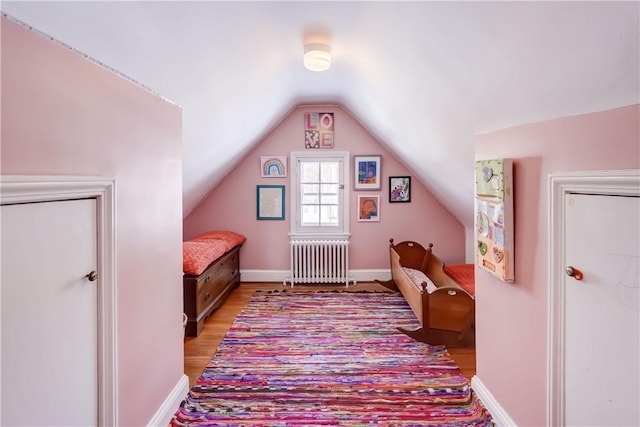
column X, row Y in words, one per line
column 317, row 57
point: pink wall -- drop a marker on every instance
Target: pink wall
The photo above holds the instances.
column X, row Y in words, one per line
column 232, row 205
column 64, row 115
column 512, row 317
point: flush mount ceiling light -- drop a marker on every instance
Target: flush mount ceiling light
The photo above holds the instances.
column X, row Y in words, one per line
column 317, row 56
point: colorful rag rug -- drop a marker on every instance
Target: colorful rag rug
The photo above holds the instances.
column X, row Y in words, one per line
column 329, row 358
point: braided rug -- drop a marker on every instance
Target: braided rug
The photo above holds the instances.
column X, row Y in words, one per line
column 329, row 358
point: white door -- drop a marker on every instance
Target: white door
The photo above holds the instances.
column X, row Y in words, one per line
column 49, row 349
column 602, row 323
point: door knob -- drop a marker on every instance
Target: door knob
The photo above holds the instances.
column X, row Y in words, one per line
column 573, row 272
column 93, row 276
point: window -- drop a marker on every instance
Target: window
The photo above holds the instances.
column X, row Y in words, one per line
column 318, row 197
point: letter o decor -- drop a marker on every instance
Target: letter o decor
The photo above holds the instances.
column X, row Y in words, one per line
column 326, row 121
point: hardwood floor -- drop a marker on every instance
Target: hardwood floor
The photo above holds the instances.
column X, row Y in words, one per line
column 199, row 350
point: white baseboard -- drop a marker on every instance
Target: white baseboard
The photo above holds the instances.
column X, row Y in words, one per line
column 499, row 415
column 371, row 275
column 281, row 275
column 171, row 404
column 264, row 275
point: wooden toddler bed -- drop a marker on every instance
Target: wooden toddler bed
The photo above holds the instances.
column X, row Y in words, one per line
column 211, row 266
column 444, row 306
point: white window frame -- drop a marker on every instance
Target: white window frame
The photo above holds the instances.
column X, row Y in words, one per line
column 297, row 230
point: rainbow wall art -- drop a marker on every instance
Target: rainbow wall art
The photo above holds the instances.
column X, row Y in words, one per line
column 273, row 166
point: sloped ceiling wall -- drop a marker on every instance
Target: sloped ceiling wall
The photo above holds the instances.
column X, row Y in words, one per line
column 423, row 77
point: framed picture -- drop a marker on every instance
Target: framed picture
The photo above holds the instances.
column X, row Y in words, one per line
column 494, row 222
column 367, row 172
column 270, row 202
column 369, row 208
column 273, row 166
column 318, row 130
column 399, row 189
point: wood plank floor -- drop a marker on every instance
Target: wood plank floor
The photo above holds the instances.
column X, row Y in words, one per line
column 199, row 350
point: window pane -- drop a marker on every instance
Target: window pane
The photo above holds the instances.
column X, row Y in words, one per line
column 310, row 199
column 309, row 171
column 309, row 194
column 317, row 199
column 330, row 199
column 330, row 172
column 329, row 215
column 329, row 195
column 329, row 188
column 310, row 215
column 310, row 188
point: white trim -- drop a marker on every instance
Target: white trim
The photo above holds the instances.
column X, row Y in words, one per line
column 470, row 239
column 370, row 275
column 279, row 275
column 621, row 182
column 319, row 236
column 264, row 275
column 28, row 189
column 165, row 412
column 295, row 228
column 499, row 416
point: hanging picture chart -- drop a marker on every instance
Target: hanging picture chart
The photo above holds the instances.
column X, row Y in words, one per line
column 494, row 217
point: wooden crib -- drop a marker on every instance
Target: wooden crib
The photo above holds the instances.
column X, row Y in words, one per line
column 445, row 309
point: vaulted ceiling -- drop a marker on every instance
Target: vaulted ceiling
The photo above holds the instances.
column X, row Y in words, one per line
column 423, row 77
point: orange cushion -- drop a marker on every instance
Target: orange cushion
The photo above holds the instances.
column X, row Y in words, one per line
column 463, row 275
column 231, row 238
column 196, row 256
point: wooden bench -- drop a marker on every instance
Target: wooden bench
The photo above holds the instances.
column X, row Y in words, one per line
column 204, row 293
column 211, row 266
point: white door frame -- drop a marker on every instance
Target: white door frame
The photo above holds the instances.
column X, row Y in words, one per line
column 616, row 182
column 27, row 189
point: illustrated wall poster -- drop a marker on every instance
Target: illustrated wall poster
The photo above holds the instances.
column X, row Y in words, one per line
column 270, row 202
column 367, row 172
column 318, row 130
column 399, row 189
column 273, row 166
column 494, row 217
column 369, row 208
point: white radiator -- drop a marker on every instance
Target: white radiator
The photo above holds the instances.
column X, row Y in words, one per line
column 319, row 261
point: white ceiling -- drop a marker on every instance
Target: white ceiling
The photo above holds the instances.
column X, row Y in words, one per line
column 423, row 77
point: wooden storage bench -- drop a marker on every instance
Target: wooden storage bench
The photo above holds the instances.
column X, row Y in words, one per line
column 205, row 292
